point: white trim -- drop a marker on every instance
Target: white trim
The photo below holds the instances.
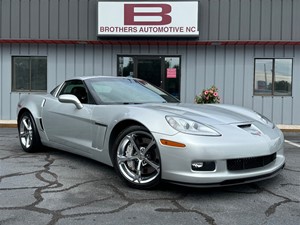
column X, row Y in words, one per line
column 292, row 143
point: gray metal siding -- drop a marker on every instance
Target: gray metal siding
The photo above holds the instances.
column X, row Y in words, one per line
column 43, row 28
column 230, row 68
column 218, row 19
column 249, row 19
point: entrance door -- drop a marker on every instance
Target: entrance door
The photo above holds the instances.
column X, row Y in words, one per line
column 149, row 69
column 162, row 71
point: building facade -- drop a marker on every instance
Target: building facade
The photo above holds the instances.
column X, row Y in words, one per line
column 249, row 49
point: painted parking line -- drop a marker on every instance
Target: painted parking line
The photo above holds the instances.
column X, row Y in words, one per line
column 292, row 143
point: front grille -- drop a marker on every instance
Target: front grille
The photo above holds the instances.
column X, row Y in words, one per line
column 250, row 163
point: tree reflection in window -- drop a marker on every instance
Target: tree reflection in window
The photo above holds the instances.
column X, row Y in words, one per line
column 273, row 77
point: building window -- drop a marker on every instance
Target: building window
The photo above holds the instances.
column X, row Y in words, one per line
column 273, row 77
column 29, row 73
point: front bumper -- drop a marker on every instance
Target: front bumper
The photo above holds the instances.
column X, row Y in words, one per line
column 176, row 162
column 231, row 182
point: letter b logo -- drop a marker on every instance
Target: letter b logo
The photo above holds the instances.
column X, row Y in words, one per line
column 140, row 14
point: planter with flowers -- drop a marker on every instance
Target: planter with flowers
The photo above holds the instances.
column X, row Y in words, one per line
column 209, row 95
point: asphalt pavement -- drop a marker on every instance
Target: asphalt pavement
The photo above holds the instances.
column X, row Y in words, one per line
column 52, row 187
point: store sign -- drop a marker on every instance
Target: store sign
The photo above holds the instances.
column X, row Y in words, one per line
column 148, row 18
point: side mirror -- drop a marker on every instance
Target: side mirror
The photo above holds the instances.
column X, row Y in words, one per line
column 66, row 98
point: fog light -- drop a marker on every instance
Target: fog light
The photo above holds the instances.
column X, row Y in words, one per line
column 203, row 166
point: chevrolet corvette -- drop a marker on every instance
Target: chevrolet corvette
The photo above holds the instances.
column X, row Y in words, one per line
column 148, row 136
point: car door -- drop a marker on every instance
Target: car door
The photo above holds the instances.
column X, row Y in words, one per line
column 66, row 124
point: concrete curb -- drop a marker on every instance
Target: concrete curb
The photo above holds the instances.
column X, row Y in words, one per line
column 283, row 127
column 8, row 124
column 289, row 128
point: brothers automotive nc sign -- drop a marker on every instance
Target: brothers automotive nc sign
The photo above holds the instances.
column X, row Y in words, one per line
column 148, row 18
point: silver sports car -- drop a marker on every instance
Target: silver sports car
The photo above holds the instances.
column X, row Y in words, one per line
column 148, row 136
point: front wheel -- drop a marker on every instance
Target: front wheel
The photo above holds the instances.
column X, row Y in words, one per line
column 28, row 134
column 136, row 158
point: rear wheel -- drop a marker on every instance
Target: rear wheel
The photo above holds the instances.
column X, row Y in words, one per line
column 28, row 134
column 136, row 158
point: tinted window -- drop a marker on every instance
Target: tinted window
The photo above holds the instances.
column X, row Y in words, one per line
column 29, row 73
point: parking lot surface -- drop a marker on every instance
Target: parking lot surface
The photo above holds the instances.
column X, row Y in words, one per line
column 54, row 188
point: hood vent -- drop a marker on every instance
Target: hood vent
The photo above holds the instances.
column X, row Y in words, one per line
column 250, row 128
column 244, row 126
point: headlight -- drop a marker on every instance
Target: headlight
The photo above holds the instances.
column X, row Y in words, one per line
column 265, row 121
column 190, row 127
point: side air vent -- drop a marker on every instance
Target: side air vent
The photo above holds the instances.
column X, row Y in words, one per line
column 41, row 123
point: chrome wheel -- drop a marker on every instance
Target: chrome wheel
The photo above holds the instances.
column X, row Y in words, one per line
column 28, row 134
column 25, row 132
column 137, row 158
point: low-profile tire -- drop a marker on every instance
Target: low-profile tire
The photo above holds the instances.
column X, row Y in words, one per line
column 28, row 133
column 136, row 158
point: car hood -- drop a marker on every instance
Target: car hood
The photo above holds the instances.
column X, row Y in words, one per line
column 213, row 114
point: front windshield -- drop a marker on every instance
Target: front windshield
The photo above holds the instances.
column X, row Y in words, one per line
column 126, row 91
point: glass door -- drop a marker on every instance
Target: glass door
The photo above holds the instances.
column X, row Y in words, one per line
column 172, row 75
column 149, row 69
column 162, row 71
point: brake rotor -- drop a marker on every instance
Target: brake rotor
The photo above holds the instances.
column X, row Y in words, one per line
column 130, row 152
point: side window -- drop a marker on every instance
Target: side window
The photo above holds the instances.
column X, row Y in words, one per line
column 77, row 88
column 69, row 85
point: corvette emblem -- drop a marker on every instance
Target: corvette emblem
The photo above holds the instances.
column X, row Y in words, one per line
column 258, row 133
